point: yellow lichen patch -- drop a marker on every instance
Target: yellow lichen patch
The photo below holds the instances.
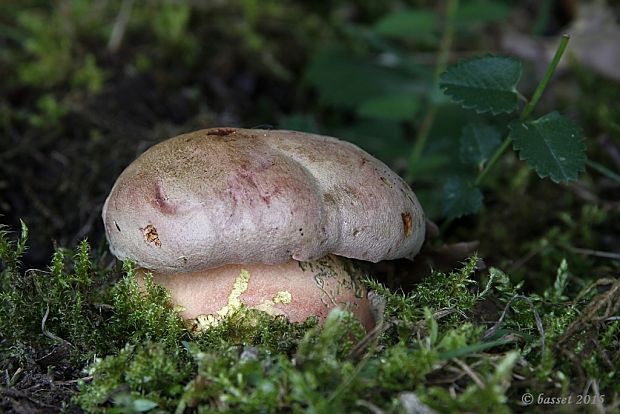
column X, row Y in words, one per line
column 282, row 297
column 239, row 287
column 204, row 322
column 179, row 309
column 242, row 281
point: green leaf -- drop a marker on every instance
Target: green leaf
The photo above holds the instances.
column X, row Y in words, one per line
column 460, row 197
column 409, row 24
column 390, row 108
column 486, row 84
column 478, row 142
column 344, row 79
column 552, row 145
column 480, row 12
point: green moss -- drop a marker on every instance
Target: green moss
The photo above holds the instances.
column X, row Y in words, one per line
column 65, row 305
column 452, row 290
column 155, row 371
column 142, row 314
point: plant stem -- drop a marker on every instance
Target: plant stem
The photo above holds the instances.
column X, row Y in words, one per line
column 440, row 66
column 527, row 111
column 446, row 39
column 421, row 138
column 545, row 80
column 496, row 157
column 603, row 170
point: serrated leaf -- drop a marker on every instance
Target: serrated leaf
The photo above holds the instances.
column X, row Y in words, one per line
column 344, row 79
column 486, row 84
column 478, row 142
column 460, row 198
column 390, row 108
column 409, row 24
column 552, row 145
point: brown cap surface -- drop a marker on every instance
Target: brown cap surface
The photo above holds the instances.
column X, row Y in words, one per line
column 237, row 196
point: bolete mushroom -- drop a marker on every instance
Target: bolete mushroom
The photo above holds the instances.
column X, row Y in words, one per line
column 226, row 216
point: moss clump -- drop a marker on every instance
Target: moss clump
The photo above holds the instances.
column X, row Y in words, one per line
column 155, row 371
column 75, row 306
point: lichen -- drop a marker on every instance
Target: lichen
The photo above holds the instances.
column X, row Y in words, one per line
column 282, row 297
column 234, row 303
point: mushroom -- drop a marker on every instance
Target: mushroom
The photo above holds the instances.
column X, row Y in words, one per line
column 227, row 216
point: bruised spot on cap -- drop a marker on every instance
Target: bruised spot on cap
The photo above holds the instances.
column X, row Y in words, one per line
column 407, row 223
column 160, row 201
column 150, row 235
column 221, row 132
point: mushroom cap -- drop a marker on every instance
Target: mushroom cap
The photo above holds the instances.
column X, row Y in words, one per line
column 238, row 196
column 296, row 290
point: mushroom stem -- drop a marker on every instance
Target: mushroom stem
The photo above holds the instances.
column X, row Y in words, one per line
column 296, row 290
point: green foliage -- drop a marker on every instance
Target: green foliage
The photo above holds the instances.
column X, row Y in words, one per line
column 409, row 24
column 12, row 251
column 488, row 398
column 49, row 112
column 89, row 76
column 349, row 81
column 249, row 326
column 376, row 79
column 450, row 290
column 460, row 197
column 391, row 108
column 486, row 84
column 478, row 12
column 170, row 24
column 146, row 361
column 321, row 375
column 155, row 371
column 323, row 369
column 49, row 48
column 552, row 145
column 64, row 308
column 478, row 143
column 55, row 301
column 458, row 341
column 143, row 313
column 12, row 315
column 50, row 42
